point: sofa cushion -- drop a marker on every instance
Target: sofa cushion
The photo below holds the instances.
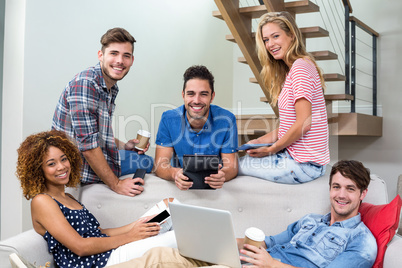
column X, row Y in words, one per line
column 383, row 221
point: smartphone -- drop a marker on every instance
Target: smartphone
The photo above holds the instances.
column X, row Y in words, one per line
column 160, row 217
column 139, row 173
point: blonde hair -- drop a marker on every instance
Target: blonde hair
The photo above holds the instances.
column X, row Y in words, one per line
column 273, row 71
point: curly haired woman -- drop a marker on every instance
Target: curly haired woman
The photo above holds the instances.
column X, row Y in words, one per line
column 47, row 163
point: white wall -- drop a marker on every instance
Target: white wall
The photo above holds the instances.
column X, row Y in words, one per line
column 13, row 86
column 56, row 39
column 61, row 38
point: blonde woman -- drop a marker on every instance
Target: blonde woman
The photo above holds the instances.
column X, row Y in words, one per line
column 299, row 151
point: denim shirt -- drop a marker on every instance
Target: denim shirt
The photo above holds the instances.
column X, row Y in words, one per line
column 313, row 242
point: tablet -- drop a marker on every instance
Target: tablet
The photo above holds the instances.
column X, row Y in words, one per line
column 249, row 146
column 197, row 167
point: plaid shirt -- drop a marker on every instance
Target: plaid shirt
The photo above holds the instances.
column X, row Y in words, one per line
column 84, row 112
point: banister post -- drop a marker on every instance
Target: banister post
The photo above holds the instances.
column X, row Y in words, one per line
column 347, row 47
column 374, row 75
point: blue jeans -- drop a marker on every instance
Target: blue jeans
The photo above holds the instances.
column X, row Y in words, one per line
column 130, row 161
column 279, row 167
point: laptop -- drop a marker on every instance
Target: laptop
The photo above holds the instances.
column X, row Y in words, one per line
column 205, row 234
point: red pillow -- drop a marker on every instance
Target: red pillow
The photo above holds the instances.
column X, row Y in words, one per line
column 383, row 221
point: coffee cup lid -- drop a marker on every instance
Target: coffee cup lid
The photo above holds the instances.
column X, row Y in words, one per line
column 255, row 234
column 144, row 133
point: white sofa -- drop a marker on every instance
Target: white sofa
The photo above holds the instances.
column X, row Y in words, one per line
column 252, row 202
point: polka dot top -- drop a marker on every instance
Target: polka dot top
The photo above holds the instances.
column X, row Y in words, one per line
column 87, row 226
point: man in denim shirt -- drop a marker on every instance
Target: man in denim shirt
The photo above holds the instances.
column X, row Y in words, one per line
column 337, row 240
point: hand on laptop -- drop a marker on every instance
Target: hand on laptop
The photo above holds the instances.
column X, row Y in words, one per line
column 216, row 181
column 182, row 181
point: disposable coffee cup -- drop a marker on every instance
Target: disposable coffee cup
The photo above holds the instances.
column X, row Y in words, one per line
column 143, row 138
column 254, row 236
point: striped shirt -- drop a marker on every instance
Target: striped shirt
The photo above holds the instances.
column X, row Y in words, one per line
column 303, row 81
column 84, row 112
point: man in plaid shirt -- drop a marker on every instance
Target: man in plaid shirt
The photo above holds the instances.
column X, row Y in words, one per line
column 85, row 111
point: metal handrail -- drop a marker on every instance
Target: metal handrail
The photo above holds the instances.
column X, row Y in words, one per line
column 350, row 56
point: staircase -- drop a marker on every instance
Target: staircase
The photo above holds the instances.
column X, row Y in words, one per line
column 239, row 21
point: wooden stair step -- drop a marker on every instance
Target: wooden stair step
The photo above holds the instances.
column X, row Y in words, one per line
column 242, row 60
column 324, row 55
column 253, row 80
column 318, row 55
column 341, row 124
column 249, row 124
column 327, row 78
column 334, row 77
column 252, row 132
column 307, row 32
column 327, row 97
column 313, row 32
column 230, row 37
column 300, row 7
column 355, row 124
column 338, row 97
column 254, row 12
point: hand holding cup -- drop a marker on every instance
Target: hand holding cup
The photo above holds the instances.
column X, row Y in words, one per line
column 254, row 236
column 143, row 137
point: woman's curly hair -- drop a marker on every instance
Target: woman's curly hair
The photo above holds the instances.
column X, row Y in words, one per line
column 31, row 155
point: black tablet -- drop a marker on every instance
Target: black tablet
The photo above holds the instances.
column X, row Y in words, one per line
column 197, row 167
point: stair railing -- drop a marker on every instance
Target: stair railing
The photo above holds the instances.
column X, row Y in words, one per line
column 350, row 57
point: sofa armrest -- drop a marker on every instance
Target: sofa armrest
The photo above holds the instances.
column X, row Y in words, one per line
column 392, row 258
column 28, row 244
